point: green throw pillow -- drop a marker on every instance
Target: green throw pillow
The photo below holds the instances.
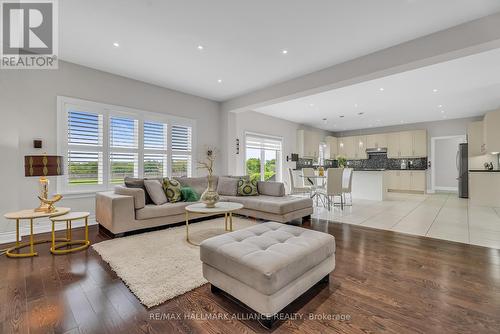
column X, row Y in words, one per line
column 189, row 195
column 172, row 189
column 247, row 187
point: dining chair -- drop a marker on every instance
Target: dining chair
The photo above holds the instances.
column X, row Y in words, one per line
column 309, row 177
column 294, row 189
column 347, row 184
column 333, row 186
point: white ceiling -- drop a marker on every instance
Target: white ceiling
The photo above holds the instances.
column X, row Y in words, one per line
column 466, row 87
column 243, row 40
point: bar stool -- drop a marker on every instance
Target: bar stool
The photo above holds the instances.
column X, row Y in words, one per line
column 69, row 218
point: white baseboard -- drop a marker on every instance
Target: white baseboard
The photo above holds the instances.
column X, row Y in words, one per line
column 39, row 226
column 455, row 189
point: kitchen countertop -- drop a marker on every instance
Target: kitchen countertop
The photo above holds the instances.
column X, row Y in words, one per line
column 484, row 171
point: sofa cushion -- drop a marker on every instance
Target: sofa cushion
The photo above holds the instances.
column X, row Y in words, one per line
column 172, row 189
column 267, row 256
column 189, row 195
column 133, row 182
column 272, row 204
column 138, row 194
column 247, row 187
column 199, row 184
column 155, row 191
column 164, row 210
column 227, row 186
column 271, row 188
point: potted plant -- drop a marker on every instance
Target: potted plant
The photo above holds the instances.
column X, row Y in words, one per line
column 342, row 161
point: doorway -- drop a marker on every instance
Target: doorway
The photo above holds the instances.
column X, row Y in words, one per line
column 444, row 169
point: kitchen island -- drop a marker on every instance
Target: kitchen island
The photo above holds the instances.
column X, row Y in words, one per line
column 369, row 184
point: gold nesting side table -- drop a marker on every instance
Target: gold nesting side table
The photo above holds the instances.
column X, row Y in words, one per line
column 30, row 215
column 68, row 219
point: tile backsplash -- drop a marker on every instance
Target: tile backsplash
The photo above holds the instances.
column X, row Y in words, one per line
column 381, row 161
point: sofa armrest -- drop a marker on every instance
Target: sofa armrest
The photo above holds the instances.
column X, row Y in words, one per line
column 137, row 193
column 271, row 188
column 115, row 212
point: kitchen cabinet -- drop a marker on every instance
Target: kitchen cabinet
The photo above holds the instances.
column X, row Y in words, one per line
column 418, row 181
column 331, row 147
column 308, row 143
column 393, row 145
column 376, row 141
column 347, row 147
column 491, row 133
column 406, row 180
column 407, row 144
column 475, row 139
column 419, row 143
column 360, row 146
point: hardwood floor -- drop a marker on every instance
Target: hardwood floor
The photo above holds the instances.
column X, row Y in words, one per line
column 383, row 282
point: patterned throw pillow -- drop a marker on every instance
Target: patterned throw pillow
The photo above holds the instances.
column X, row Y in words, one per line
column 172, row 189
column 247, row 187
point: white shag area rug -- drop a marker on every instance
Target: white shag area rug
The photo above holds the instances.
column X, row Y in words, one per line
column 160, row 265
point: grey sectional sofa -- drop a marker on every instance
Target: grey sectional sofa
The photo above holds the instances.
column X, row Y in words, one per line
column 125, row 209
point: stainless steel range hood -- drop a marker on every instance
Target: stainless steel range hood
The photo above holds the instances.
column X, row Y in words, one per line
column 378, row 150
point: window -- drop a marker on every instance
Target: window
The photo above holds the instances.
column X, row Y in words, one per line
column 181, row 151
column 103, row 144
column 155, row 149
column 263, row 157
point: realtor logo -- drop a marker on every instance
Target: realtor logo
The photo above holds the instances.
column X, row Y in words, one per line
column 29, row 34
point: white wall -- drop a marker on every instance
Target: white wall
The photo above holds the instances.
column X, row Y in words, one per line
column 250, row 121
column 28, row 111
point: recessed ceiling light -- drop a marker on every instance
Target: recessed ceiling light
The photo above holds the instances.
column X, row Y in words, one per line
column 341, row 116
column 116, row 44
column 440, row 106
column 325, row 120
column 360, row 113
column 435, row 90
column 442, row 111
column 200, row 47
column 311, row 105
column 284, row 52
column 381, row 89
column 219, row 80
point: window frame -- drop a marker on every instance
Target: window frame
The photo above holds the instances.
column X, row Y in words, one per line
column 279, row 158
column 107, row 111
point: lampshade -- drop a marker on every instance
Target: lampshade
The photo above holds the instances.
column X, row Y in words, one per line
column 43, row 165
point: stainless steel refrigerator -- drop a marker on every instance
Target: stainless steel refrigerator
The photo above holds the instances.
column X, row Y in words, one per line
column 463, row 171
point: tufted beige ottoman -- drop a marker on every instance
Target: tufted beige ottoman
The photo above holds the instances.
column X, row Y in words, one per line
column 269, row 265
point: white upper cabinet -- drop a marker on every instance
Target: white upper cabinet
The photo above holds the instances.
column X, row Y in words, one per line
column 360, row 146
column 331, row 147
column 491, row 132
column 376, row 141
column 393, row 145
column 405, row 144
column 309, row 140
column 475, row 139
column 347, row 147
column 419, row 143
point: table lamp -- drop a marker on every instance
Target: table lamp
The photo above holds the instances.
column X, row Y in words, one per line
column 43, row 166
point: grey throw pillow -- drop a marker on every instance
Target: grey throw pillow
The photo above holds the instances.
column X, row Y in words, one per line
column 227, row 186
column 155, row 191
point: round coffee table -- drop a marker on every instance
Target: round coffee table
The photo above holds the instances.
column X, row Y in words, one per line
column 227, row 208
column 30, row 215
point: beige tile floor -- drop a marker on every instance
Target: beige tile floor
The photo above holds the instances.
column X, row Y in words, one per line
column 441, row 216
